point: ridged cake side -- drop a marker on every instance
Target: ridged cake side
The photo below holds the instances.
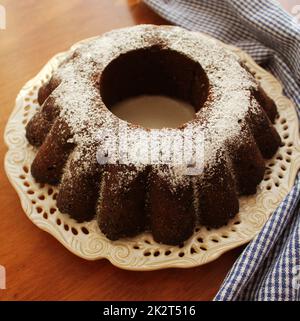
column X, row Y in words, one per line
column 235, row 120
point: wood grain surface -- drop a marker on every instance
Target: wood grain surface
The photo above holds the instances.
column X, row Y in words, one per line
column 37, row 266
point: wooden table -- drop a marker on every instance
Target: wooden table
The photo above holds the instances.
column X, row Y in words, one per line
column 38, row 267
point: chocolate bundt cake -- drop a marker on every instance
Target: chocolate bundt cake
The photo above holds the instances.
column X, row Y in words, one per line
column 75, row 125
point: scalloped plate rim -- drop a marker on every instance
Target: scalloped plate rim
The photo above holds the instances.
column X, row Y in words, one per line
column 47, row 227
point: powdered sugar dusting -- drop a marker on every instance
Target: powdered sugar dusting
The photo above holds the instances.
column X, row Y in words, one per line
column 92, row 124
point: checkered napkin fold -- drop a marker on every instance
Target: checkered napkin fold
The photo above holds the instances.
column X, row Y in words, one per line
column 269, row 267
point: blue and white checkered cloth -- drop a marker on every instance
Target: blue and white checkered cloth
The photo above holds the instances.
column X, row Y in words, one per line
column 269, row 267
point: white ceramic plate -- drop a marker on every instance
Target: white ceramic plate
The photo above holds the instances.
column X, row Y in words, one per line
column 142, row 252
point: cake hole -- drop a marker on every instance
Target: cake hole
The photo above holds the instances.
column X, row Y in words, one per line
column 85, row 230
column 50, row 191
column 39, row 209
column 45, row 215
column 233, row 229
column 279, row 157
column 54, row 196
column 288, row 159
column 150, row 74
column 147, row 241
column 290, row 144
column 22, row 176
column 271, row 164
column 66, row 227
column 181, row 254
column 147, row 253
column 33, row 202
column 27, row 107
column 24, row 122
column 224, row 236
column 136, row 247
column 156, row 253
column 197, row 229
column 181, row 245
column 42, row 185
column 280, row 175
column 285, row 127
column 237, row 223
column 25, row 169
column 277, row 184
column 74, row 231
column 52, row 210
column 41, row 197
column 268, row 187
column 58, row 221
column 282, row 144
column 283, row 121
column 30, row 192
column 289, row 152
column 154, row 111
column 283, row 167
column 168, row 252
column 215, row 240
column 285, row 136
column 239, row 121
column 203, row 248
column 26, row 184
